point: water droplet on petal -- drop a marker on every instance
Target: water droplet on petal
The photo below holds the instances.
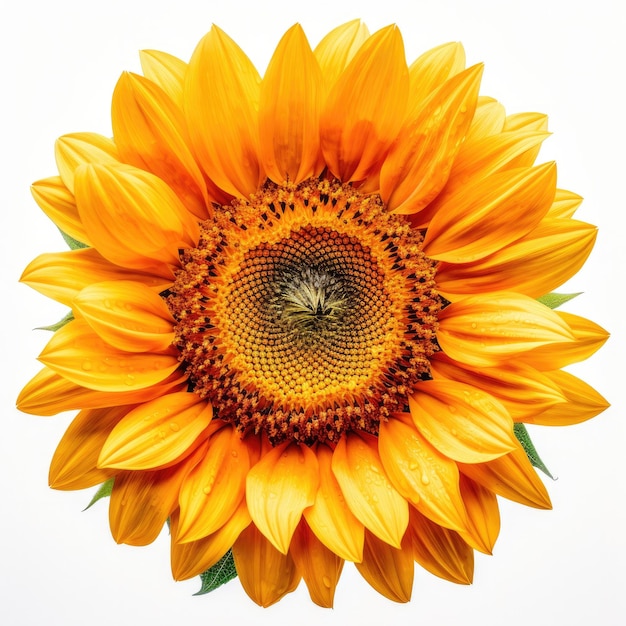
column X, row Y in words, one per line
column 425, row 479
column 326, row 581
column 174, row 427
column 87, row 365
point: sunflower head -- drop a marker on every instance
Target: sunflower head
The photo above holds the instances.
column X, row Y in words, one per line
column 308, row 311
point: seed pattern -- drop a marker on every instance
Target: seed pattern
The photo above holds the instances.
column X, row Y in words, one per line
column 306, row 312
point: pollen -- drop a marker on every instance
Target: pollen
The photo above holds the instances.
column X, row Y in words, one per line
column 305, row 312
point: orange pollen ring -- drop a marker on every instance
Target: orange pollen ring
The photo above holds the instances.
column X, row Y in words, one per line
column 306, row 312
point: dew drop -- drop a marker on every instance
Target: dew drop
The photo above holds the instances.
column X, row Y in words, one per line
column 326, row 581
column 206, row 490
column 174, row 427
column 234, row 453
column 87, row 365
column 413, row 466
column 425, row 479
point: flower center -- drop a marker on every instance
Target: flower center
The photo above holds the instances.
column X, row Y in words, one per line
column 306, row 312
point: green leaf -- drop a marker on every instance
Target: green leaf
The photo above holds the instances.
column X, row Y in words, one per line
column 555, row 300
column 104, row 491
column 54, row 327
column 222, row 572
column 524, row 438
column 74, row 244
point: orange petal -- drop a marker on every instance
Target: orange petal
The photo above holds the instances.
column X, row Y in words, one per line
column 195, row 557
column 488, row 119
column 150, row 133
column 214, row 488
column 79, row 355
column 461, row 421
column 165, row 70
column 534, row 265
column 265, row 573
column 289, row 111
column 486, row 215
column 419, row 162
column 141, row 502
column 388, row 570
column 432, row 69
column 365, row 107
column 74, row 464
column 48, row 393
column 367, row 491
column 486, row 330
column 62, row 275
column 338, row 48
column 278, row 488
column 483, row 515
column 588, row 339
column 565, row 204
column 221, row 104
column 582, row 402
column 77, row 149
column 426, row 478
column 511, row 476
column 157, row 433
column 319, row 567
column 132, row 217
column 330, row 518
column 127, row 315
column 441, row 551
column 58, row 203
column 521, row 389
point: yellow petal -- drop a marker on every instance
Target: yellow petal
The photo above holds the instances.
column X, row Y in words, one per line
column 77, row 149
column 221, row 104
column 367, row 491
column 432, row 69
column 424, row 476
column 141, row 502
column 488, row 119
column 74, row 464
column 291, row 97
column 511, row 476
column 330, row 518
column 58, row 203
column 441, row 551
column 419, row 162
column 526, row 122
column 487, row 330
column 335, row 51
column 195, row 557
column 319, row 567
column 565, row 204
column 167, row 71
column 486, row 215
column 387, row 569
column 265, row 573
column 461, row 421
column 82, row 357
column 48, row 393
column 582, row 402
column 483, row 515
column 150, row 133
column 534, row 265
column 157, row 433
column 214, row 488
column 588, row 338
column 127, row 315
column 365, row 107
column 62, row 275
column 521, row 389
column 132, row 217
column 278, row 488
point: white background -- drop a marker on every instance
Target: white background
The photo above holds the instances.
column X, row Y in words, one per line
column 59, row 566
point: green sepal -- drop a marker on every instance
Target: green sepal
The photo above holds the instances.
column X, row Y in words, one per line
column 524, row 438
column 555, row 300
column 54, row 327
column 73, row 244
column 221, row 573
column 104, row 491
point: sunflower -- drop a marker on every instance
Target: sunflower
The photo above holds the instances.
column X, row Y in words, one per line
column 309, row 311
